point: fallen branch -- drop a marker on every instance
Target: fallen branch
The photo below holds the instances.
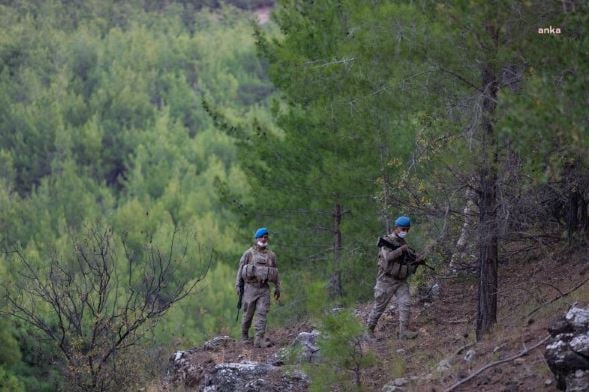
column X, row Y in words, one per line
column 460, row 321
column 461, row 349
column 492, row 364
column 559, row 297
column 549, row 285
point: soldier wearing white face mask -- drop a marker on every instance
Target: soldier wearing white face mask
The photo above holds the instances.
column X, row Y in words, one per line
column 393, row 271
column 257, row 268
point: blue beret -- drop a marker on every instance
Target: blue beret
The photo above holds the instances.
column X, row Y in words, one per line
column 403, row 221
column 262, row 231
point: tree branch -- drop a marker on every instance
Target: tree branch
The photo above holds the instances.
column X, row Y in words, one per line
column 492, row 364
column 559, row 297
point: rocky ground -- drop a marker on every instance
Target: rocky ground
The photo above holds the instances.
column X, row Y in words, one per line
column 445, row 352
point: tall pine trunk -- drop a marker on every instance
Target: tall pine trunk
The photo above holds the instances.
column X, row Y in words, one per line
column 488, row 233
column 335, row 284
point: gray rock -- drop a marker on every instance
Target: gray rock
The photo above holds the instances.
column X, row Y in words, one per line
column 304, row 348
column 390, row 387
column 305, row 344
column 548, row 382
column 279, row 358
column 399, row 382
column 567, row 352
column 578, row 318
column 182, row 371
column 558, row 326
column 580, row 344
column 444, row 365
column 435, row 291
column 252, row 377
column 560, row 355
column 196, row 369
column 577, row 381
column 429, row 293
column 470, row 355
column 218, row 342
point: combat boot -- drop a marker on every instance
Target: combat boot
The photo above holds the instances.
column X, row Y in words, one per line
column 406, row 333
column 245, row 334
column 262, row 342
column 245, row 337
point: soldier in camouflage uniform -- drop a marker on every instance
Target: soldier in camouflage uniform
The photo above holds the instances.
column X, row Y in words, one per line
column 257, row 268
column 392, row 280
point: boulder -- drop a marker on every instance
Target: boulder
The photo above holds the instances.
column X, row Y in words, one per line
column 567, row 352
column 183, row 370
column 577, row 381
column 306, row 344
column 390, row 387
column 303, row 348
column 199, row 369
column 252, row 377
column 578, row 318
column 218, row 342
column 558, row 326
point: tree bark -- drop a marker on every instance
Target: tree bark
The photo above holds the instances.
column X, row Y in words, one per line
column 335, row 284
column 572, row 216
column 462, row 253
column 385, row 186
column 488, row 235
column 584, row 216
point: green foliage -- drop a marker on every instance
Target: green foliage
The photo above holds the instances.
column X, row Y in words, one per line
column 9, row 382
column 105, row 118
column 342, row 356
column 334, row 119
column 95, row 297
column 386, row 108
column 39, row 368
column 103, row 124
column 548, row 114
column 9, row 356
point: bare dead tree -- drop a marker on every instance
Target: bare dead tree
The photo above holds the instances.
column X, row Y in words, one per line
column 95, row 304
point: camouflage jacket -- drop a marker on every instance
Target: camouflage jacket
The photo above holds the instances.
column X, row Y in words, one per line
column 259, row 257
column 389, row 260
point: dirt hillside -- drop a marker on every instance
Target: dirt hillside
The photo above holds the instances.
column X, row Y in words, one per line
column 532, row 294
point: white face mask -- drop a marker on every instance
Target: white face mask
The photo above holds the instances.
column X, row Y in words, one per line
column 262, row 244
column 402, row 234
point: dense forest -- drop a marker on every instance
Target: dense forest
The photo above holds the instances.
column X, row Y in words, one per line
column 142, row 142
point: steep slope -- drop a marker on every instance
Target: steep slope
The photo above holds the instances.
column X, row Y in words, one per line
column 531, row 294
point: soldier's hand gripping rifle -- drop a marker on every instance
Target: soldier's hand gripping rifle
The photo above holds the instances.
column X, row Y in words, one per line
column 239, row 302
column 411, row 258
column 410, row 254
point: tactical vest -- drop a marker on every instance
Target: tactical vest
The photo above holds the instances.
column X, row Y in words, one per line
column 258, row 269
column 399, row 268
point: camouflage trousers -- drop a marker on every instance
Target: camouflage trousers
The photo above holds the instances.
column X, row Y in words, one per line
column 256, row 304
column 383, row 292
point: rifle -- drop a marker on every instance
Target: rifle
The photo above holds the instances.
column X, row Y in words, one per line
column 410, row 257
column 239, row 302
column 382, row 242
